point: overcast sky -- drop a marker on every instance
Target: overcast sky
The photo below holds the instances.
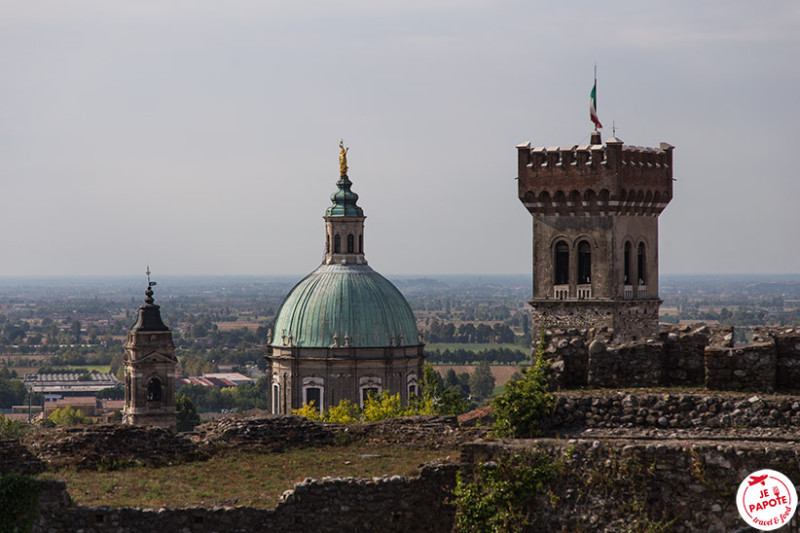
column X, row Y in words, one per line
column 201, row 137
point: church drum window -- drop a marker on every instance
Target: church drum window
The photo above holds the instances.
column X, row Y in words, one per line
column 562, row 264
column 337, row 244
column 360, row 243
column 154, row 390
column 584, row 263
column 351, row 244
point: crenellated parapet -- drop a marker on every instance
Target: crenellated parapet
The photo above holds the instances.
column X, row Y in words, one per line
column 595, row 179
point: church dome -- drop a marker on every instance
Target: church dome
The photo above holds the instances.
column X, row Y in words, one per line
column 345, row 305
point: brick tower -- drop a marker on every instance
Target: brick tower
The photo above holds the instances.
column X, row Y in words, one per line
column 595, row 233
column 150, row 368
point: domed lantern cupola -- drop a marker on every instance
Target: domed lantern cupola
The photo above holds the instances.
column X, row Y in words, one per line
column 344, row 221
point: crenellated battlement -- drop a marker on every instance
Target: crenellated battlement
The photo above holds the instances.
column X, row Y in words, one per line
column 614, row 178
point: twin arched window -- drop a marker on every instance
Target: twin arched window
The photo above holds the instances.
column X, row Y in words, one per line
column 561, row 270
column 351, row 244
column 641, row 264
column 562, row 263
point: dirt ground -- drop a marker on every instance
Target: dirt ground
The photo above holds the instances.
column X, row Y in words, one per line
column 501, row 373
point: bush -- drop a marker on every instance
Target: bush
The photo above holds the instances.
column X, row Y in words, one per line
column 496, row 498
column 11, row 429
column 187, row 416
column 68, row 416
column 519, row 410
column 346, row 412
column 309, row 410
column 382, row 406
column 19, row 502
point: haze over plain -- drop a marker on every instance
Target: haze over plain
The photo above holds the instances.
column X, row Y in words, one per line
column 201, row 137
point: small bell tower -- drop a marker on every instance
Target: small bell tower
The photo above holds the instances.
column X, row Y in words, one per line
column 150, row 368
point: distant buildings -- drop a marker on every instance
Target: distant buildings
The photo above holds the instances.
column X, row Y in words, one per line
column 65, row 384
column 220, row 380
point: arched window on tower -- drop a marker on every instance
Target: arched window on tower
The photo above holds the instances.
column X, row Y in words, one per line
column 562, row 264
column 641, row 265
column 627, row 279
column 360, row 243
column 154, row 390
column 351, row 244
column 584, row 263
column 327, row 244
column 337, row 244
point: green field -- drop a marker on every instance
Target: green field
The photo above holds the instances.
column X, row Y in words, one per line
column 475, row 347
column 251, row 479
column 102, row 369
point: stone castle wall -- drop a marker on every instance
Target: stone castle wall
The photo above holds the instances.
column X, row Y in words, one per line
column 680, row 356
column 668, row 485
column 391, row 503
column 669, row 458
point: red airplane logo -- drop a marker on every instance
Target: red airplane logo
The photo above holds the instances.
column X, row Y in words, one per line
column 758, row 479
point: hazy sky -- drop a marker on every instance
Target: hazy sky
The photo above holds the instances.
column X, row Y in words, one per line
column 201, row 137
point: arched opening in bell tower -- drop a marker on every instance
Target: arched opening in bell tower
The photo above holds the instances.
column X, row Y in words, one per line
column 584, row 263
column 562, row 263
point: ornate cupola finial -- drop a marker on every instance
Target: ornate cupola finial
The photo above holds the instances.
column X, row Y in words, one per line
column 148, row 294
column 149, row 318
column 342, row 158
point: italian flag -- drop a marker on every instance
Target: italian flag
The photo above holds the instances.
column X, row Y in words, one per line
column 593, row 107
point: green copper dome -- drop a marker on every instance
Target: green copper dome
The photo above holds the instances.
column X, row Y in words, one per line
column 344, row 200
column 345, row 301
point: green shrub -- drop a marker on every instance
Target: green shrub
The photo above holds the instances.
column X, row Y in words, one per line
column 497, row 497
column 19, row 502
column 309, row 410
column 187, row 416
column 346, row 412
column 519, row 410
column 11, row 429
column 68, row 416
column 382, row 406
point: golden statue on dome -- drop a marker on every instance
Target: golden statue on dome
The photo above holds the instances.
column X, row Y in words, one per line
column 342, row 158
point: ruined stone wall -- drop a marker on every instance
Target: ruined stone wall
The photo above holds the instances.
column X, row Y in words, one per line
column 747, row 368
column 787, row 353
column 654, row 486
column 391, row 503
column 575, row 411
column 679, row 356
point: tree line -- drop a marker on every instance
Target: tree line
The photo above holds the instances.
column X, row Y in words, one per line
column 461, row 356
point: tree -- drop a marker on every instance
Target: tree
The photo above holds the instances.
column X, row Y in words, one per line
column 68, row 416
column 187, row 414
column 111, row 393
column 12, row 392
column 75, row 329
column 481, row 383
column 484, row 333
column 519, row 410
